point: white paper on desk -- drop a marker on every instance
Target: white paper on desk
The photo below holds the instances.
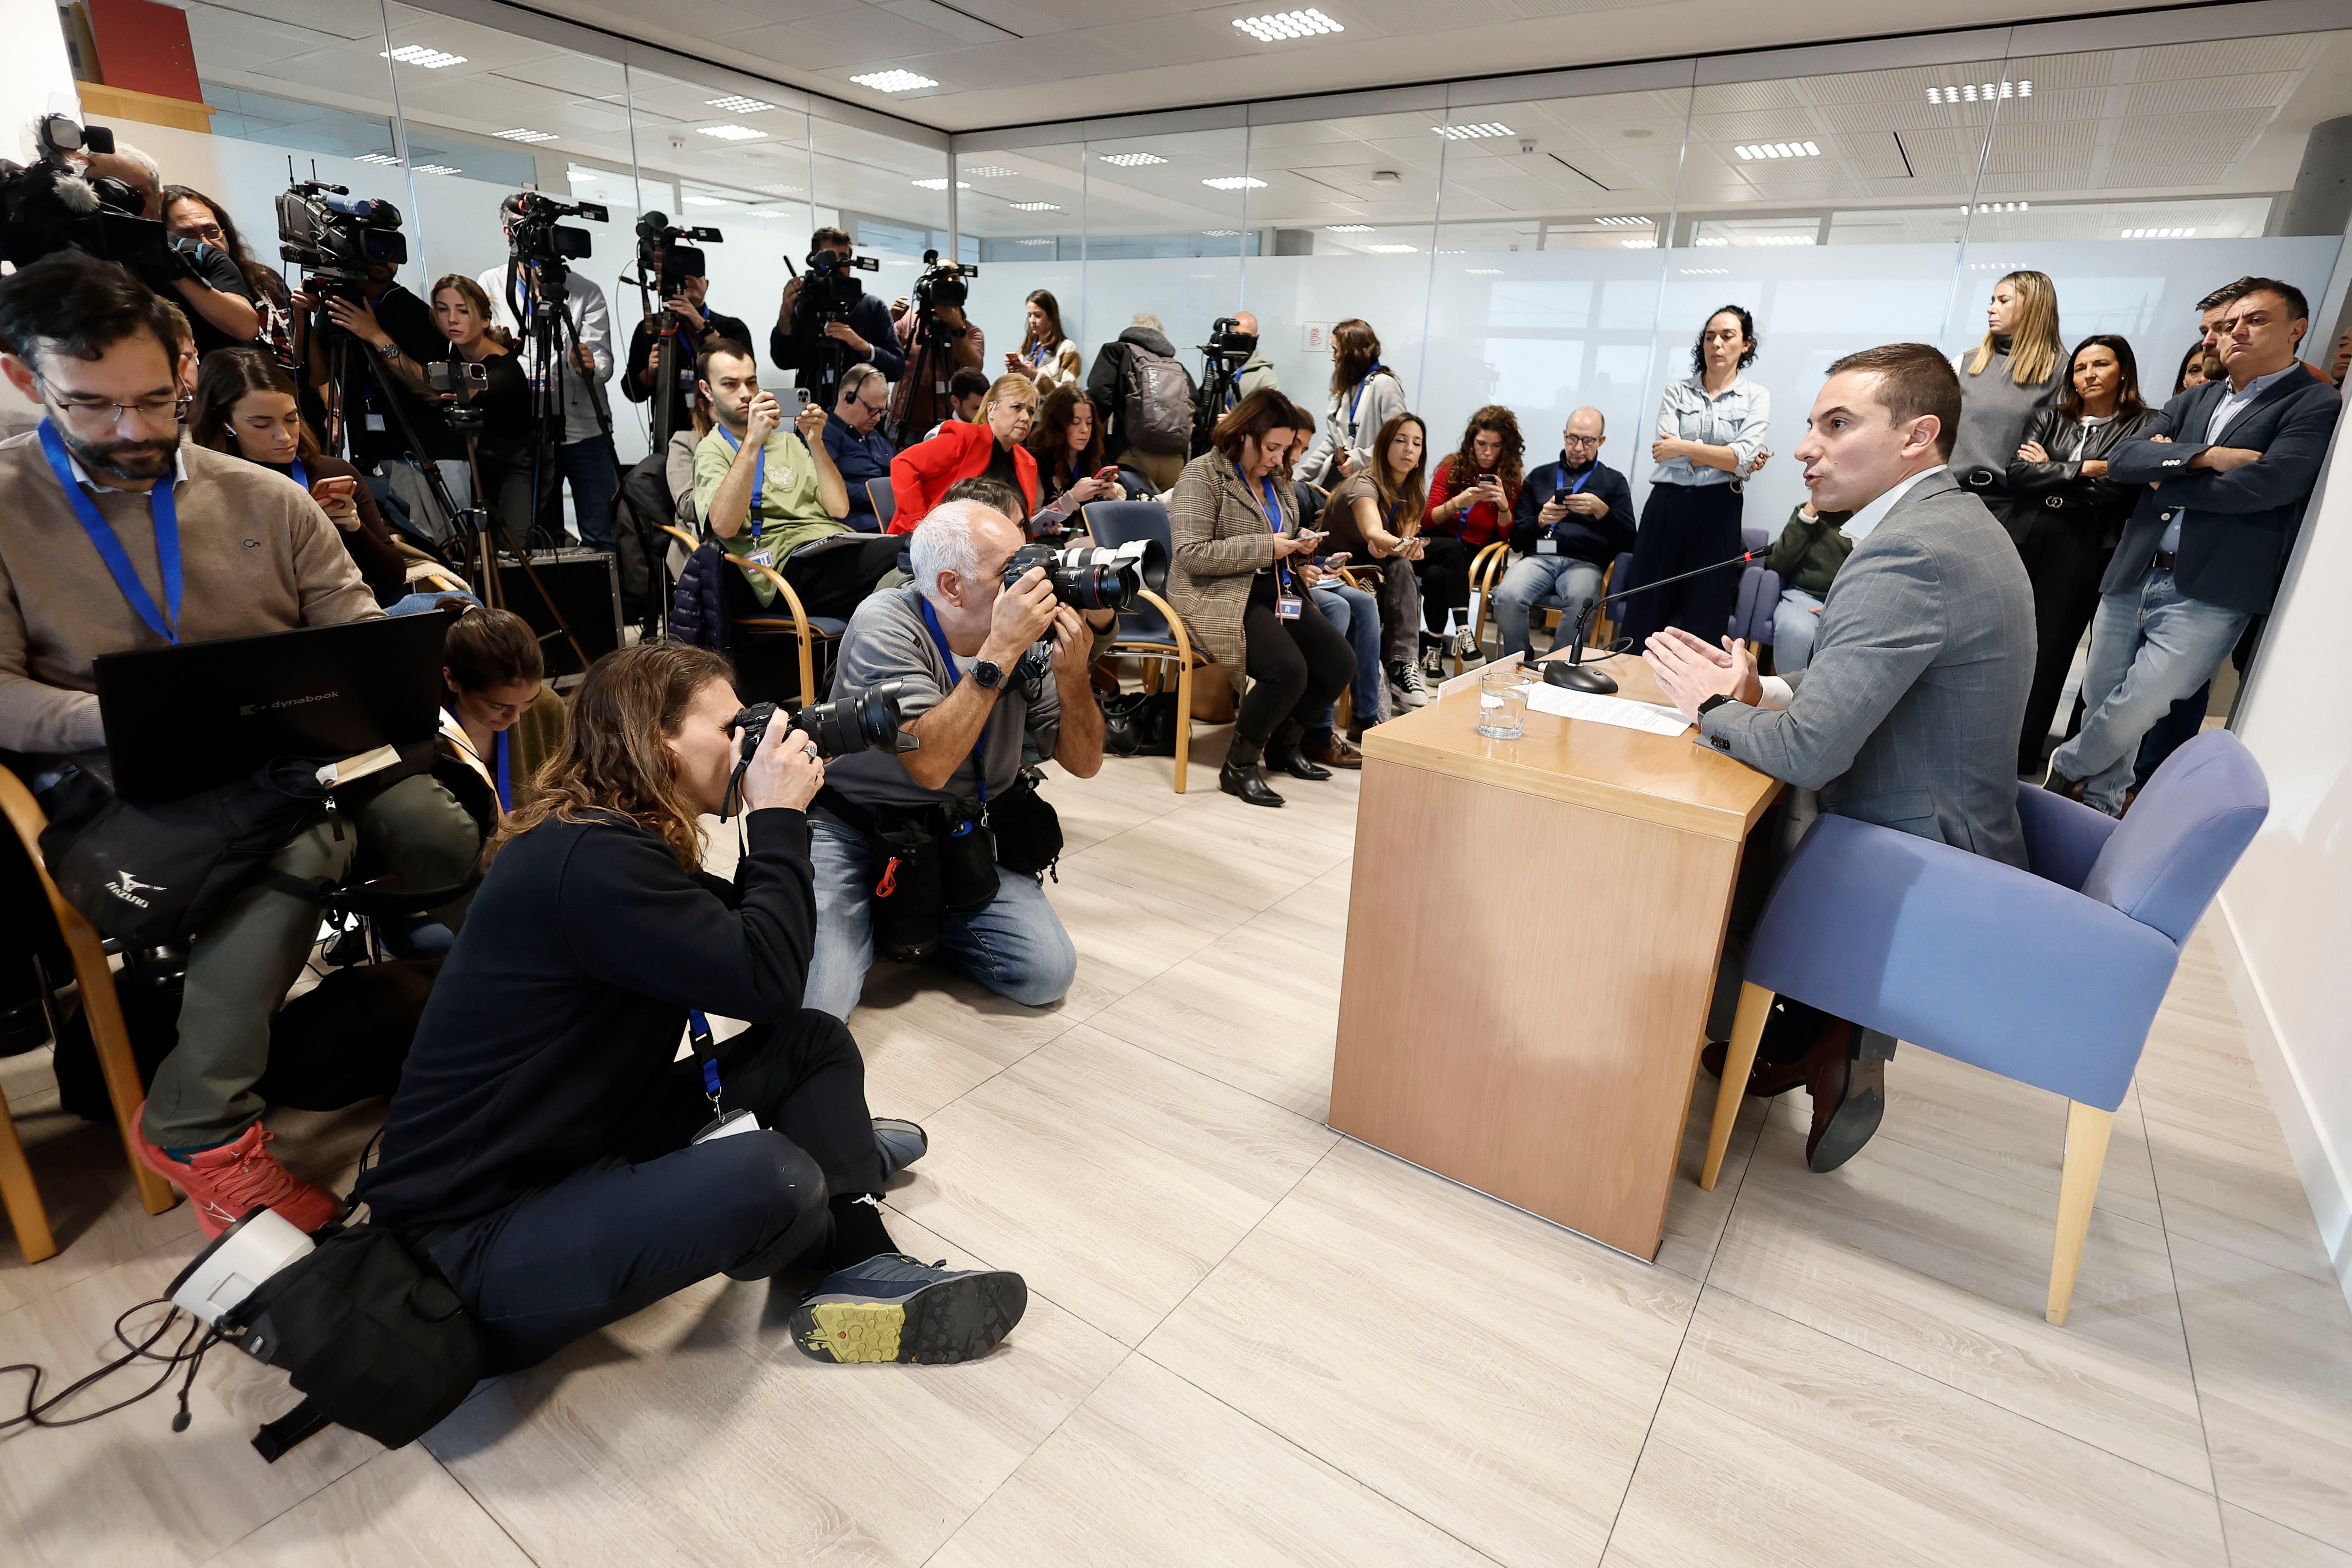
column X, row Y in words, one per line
column 1622, row 711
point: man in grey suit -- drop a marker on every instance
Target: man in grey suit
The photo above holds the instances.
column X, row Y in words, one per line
column 1907, row 715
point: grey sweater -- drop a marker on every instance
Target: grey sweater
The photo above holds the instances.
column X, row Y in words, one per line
column 1994, row 412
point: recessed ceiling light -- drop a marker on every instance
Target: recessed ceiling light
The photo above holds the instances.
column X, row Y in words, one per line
column 1779, row 150
column 1710, row 240
column 519, row 134
column 1347, row 228
column 1033, row 206
column 893, row 82
column 1466, row 133
column 2160, row 233
column 773, row 209
column 1705, row 271
column 1277, row 25
column 989, row 172
column 1222, row 233
column 1623, row 222
column 938, row 185
column 376, row 158
column 731, row 132
column 1639, row 244
column 1784, row 239
column 1389, row 249
column 736, row 103
column 437, row 169
column 1235, row 182
column 706, row 201
column 1132, row 160
column 779, row 190
column 1998, row 207
column 1975, row 93
column 418, row 55
column 1484, row 271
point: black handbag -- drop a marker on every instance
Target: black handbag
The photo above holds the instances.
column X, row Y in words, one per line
column 1027, row 829
column 1139, row 724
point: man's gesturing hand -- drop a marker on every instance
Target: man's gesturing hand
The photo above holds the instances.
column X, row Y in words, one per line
column 1689, row 671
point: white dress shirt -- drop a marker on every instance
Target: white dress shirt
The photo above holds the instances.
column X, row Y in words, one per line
column 1778, row 693
column 582, row 397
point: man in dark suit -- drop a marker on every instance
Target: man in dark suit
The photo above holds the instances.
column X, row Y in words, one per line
column 1907, row 715
column 2229, row 466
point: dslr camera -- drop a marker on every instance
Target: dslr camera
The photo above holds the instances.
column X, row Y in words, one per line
column 828, row 292
column 857, row 721
column 533, row 235
column 1088, row 577
column 662, row 260
column 942, row 284
column 49, row 204
column 1228, row 346
column 335, row 238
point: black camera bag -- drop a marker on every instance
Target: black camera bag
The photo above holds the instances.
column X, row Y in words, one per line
column 928, row 868
column 1026, row 828
column 374, row 1339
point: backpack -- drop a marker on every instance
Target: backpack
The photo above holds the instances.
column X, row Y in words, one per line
column 1141, row 724
column 1157, row 414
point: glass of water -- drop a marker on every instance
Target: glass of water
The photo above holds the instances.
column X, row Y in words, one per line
column 1503, row 704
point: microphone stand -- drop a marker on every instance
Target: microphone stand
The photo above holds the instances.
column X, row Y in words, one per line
column 1574, row 675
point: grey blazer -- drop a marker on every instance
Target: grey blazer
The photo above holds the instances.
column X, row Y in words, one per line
column 1908, row 714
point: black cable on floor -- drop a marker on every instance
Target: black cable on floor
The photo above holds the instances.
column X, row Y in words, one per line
column 194, row 1341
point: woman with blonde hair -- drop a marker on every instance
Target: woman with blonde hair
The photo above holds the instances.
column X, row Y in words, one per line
column 1046, row 356
column 546, row 1153
column 501, row 453
column 993, row 445
column 2005, row 381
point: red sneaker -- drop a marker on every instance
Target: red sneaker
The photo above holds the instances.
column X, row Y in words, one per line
column 230, row 1182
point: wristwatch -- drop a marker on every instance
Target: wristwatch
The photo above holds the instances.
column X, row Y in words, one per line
column 388, row 350
column 1710, row 705
column 987, row 674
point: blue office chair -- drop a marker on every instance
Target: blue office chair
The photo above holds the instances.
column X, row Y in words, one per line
column 2050, row 976
column 877, row 493
column 1154, row 632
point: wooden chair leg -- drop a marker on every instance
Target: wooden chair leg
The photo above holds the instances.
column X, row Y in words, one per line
column 2078, row 1184
column 1747, row 1030
column 19, row 1197
column 1183, row 718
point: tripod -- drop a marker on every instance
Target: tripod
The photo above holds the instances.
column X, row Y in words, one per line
column 929, row 364
column 543, row 285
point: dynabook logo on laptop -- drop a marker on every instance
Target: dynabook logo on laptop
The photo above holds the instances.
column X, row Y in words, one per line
column 249, row 710
column 127, row 888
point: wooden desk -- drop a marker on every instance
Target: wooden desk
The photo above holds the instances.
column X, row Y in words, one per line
column 1532, row 941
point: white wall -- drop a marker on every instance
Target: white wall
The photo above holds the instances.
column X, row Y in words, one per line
column 2286, row 929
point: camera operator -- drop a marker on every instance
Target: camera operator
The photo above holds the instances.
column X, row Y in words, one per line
column 699, row 327
column 97, row 497
column 1257, row 371
column 959, row 641
column 801, row 339
column 502, row 455
column 195, row 219
column 855, row 439
column 773, row 495
column 541, row 1149
column 214, row 293
column 400, row 331
column 938, row 343
column 584, row 451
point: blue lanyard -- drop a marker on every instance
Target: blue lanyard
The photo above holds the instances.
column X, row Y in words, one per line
column 1273, row 521
column 699, row 1031
column 759, row 477
column 506, row 774
column 1357, row 395
column 301, row 475
column 1037, row 353
column 163, row 507
column 980, row 747
column 1578, row 488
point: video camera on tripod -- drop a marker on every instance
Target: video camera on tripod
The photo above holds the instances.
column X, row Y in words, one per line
column 1223, row 359
column 665, row 265
column 336, row 237
column 49, row 205
column 827, row 290
column 534, row 236
column 942, row 284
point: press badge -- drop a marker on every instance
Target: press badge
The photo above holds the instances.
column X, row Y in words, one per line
column 376, row 421
column 763, row 558
column 1286, row 606
column 726, row 1126
column 1546, row 546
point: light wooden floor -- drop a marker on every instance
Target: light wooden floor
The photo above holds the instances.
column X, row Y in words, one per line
column 1253, row 1342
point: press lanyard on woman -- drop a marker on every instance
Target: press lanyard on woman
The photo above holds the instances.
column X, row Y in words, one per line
column 1357, row 397
column 724, row 1122
column 162, row 507
column 1037, row 353
column 1285, row 602
column 759, row 477
column 980, row 747
column 301, row 475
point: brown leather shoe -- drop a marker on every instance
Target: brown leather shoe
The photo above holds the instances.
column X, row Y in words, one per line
column 1848, row 1099
column 1334, row 751
column 1765, row 1080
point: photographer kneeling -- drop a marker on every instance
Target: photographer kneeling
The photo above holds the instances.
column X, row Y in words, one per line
column 973, row 687
column 542, row 1150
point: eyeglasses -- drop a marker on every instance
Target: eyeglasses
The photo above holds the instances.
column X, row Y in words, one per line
column 96, row 413
column 211, row 231
column 1580, row 440
column 874, row 408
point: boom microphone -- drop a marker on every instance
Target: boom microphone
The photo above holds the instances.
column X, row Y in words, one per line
column 1573, row 674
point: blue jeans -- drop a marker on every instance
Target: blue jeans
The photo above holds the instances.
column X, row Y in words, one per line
column 1355, row 615
column 2150, row 647
column 1014, row 946
column 1572, row 583
column 595, row 475
column 1795, row 619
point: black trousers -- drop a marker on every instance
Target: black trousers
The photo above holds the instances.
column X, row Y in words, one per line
column 836, row 580
column 1444, row 579
column 2064, row 560
column 1684, row 527
column 505, row 487
column 1296, row 667
column 618, row 1235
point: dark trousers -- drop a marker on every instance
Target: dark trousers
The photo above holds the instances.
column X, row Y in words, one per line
column 594, row 473
column 2064, row 560
column 835, row 579
column 503, row 483
column 1444, row 579
column 1296, row 667
column 619, row 1234
column 1684, row 527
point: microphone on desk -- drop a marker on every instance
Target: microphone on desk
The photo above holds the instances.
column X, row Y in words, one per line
column 1573, row 674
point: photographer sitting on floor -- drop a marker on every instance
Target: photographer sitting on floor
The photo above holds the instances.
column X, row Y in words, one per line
column 102, row 498
column 541, row 1149
column 935, row 850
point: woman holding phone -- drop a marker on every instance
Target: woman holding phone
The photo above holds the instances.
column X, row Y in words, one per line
column 245, row 407
column 1374, row 519
column 1471, row 495
column 1046, row 357
column 502, row 454
column 1067, row 444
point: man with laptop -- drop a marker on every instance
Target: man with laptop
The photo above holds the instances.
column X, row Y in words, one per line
column 115, row 537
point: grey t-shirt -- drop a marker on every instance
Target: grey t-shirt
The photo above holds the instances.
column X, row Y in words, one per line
column 886, row 641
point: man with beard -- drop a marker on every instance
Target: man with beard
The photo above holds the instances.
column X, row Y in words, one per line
column 117, row 537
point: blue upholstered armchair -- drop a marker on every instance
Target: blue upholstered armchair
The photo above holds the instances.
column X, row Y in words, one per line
column 2050, row 976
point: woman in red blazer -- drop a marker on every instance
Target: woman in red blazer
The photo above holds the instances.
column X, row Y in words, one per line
column 920, row 475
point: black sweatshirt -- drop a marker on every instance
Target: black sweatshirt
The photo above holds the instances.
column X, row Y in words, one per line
column 559, row 1012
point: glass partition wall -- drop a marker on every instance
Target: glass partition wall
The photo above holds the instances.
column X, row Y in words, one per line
column 1543, row 241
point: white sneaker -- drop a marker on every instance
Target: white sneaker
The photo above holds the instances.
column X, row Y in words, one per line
column 1465, row 645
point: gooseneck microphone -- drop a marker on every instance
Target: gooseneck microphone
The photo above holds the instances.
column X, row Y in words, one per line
column 1574, row 675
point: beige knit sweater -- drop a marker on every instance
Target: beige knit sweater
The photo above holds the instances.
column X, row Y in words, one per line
column 257, row 555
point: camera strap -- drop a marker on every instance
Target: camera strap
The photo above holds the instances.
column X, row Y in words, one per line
column 980, row 747
column 759, row 480
column 163, row 507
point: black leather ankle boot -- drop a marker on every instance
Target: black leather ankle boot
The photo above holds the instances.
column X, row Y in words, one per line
column 1283, row 754
column 1240, row 776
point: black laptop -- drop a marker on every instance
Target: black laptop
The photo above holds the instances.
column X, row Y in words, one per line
column 180, row 720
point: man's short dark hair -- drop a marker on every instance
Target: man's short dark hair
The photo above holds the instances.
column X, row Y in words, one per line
column 1913, row 379
column 829, row 239
column 2298, row 309
column 2227, row 294
column 73, row 304
column 717, row 346
column 967, row 382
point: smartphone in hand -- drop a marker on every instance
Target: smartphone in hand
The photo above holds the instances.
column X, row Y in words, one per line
column 334, row 487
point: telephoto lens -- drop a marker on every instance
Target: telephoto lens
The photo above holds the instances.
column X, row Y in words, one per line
column 1088, row 577
column 857, row 721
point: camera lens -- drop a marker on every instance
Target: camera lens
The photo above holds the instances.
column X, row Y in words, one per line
column 850, row 724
